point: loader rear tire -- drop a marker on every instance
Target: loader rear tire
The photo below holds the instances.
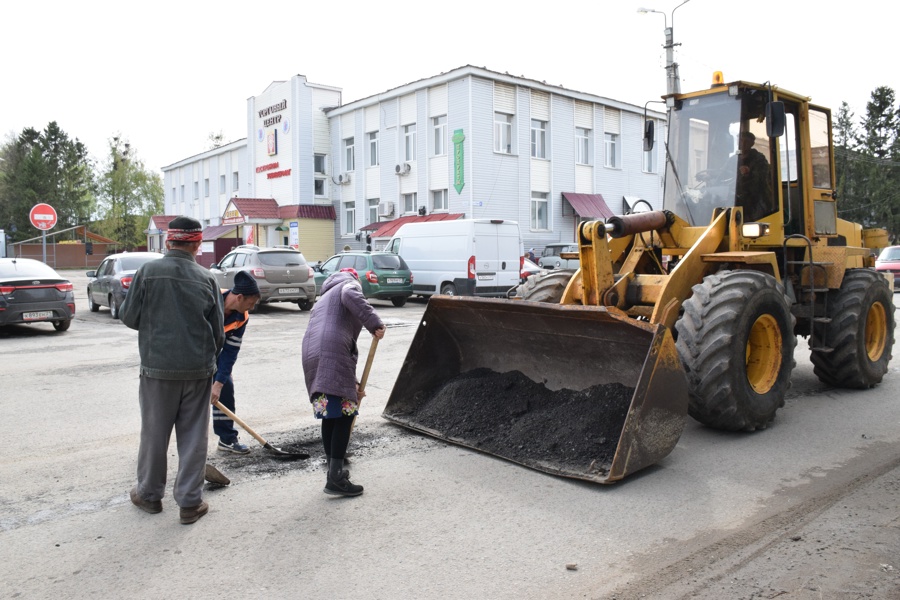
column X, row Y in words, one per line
column 736, row 341
column 861, row 332
column 545, row 286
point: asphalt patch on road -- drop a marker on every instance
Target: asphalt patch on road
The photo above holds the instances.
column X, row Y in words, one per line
column 263, row 463
column 509, row 415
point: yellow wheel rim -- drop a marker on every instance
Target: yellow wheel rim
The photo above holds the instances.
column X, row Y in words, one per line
column 763, row 354
column 876, row 331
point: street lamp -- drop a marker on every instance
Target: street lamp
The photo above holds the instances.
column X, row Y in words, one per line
column 673, row 83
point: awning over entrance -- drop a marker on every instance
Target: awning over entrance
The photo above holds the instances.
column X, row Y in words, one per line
column 588, row 205
column 386, row 229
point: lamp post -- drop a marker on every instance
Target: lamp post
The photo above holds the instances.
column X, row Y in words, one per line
column 673, row 83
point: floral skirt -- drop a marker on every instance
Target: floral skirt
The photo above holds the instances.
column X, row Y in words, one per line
column 328, row 406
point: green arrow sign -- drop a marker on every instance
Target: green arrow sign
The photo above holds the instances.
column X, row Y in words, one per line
column 459, row 179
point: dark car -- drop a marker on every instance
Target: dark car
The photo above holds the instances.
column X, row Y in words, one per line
column 383, row 275
column 32, row 292
column 282, row 273
column 110, row 282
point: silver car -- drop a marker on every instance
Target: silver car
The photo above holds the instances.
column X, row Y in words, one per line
column 282, row 274
column 109, row 284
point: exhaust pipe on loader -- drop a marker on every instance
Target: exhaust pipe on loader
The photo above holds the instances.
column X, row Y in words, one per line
column 580, row 391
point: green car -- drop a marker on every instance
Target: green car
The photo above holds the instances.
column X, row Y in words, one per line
column 384, row 275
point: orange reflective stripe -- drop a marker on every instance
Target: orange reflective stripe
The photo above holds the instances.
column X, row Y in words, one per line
column 237, row 324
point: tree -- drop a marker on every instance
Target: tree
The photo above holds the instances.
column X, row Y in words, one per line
column 128, row 195
column 44, row 166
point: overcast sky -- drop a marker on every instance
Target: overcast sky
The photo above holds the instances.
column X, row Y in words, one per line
column 166, row 74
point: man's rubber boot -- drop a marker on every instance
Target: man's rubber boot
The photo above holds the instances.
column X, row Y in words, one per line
column 338, row 483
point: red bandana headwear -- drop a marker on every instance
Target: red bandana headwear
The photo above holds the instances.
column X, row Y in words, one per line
column 184, row 229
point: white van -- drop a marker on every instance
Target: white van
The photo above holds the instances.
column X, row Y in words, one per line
column 466, row 257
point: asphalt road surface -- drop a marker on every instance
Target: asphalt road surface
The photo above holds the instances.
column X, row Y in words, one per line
column 805, row 509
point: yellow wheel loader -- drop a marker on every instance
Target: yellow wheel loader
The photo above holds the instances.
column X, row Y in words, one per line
column 692, row 309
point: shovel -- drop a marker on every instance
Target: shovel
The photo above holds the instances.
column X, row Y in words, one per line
column 276, row 451
column 365, row 375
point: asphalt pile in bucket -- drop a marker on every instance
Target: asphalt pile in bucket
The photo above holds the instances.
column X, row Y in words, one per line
column 509, row 415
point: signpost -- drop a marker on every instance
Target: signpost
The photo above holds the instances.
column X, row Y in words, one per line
column 43, row 217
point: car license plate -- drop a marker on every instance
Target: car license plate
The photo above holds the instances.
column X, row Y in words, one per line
column 288, row 290
column 395, row 280
column 37, row 316
column 485, row 277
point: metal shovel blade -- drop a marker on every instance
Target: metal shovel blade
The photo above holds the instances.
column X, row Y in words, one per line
column 276, row 452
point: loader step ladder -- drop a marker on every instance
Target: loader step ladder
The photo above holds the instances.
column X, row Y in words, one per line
column 809, row 301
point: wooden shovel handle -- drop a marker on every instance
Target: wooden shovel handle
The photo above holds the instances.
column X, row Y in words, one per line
column 365, row 375
column 238, row 420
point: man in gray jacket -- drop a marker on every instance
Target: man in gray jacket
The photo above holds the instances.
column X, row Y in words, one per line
column 176, row 307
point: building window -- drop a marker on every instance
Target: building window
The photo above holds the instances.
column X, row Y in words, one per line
column 174, row 195
column 319, row 187
column 582, row 146
column 373, row 148
column 206, row 188
column 612, row 145
column 182, row 192
column 409, row 203
column 349, row 155
column 235, row 182
column 319, row 163
column 373, row 210
column 349, row 218
column 409, row 139
column 221, row 184
column 503, row 133
column 196, row 190
column 538, row 139
column 539, row 211
column 439, row 124
column 439, row 200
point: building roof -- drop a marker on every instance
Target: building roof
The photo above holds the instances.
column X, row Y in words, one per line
column 307, row 211
column 386, row 229
column 162, row 221
column 589, row 205
column 256, row 208
column 214, row 232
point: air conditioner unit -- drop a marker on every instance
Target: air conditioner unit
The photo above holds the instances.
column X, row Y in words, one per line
column 343, row 178
column 402, row 169
column 385, row 209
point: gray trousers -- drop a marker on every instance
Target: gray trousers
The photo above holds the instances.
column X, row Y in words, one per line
column 184, row 406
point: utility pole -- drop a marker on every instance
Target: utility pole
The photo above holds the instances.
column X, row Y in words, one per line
column 673, row 82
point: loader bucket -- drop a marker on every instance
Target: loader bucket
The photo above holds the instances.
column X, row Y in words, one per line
column 579, row 391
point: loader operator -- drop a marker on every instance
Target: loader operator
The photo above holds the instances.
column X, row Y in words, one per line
column 754, row 180
column 237, row 301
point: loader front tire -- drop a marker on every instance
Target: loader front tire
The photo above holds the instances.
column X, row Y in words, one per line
column 861, row 332
column 545, row 286
column 736, row 341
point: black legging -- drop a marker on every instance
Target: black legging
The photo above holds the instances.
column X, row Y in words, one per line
column 336, row 435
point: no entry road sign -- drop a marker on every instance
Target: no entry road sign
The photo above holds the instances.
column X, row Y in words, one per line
column 43, row 216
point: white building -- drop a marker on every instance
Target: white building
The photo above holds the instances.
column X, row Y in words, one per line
column 471, row 142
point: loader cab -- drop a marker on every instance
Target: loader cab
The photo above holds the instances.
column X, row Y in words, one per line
column 766, row 150
column 720, row 155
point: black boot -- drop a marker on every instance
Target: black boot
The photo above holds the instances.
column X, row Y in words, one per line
column 338, row 483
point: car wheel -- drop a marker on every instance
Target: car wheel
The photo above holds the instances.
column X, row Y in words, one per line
column 113, row 307
column 62, row 325
column 448, row 289
column 398, row 301
column 92, row 306
column 304, row 304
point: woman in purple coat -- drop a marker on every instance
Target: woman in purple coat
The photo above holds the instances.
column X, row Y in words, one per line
column 329, row 365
